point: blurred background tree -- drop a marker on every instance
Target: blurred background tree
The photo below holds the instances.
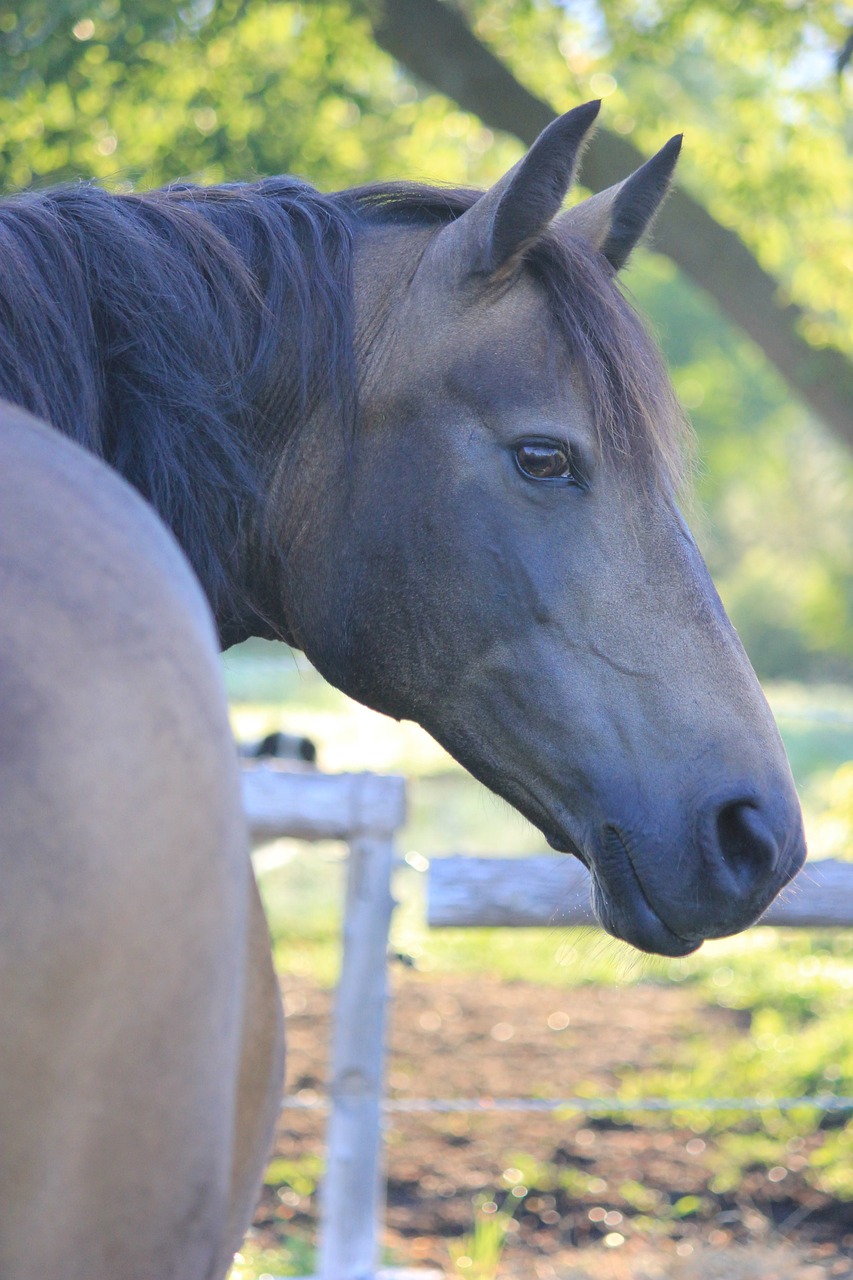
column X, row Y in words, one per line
column 756, row 317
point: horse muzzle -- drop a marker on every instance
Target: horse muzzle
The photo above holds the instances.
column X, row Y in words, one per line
column 720, row 881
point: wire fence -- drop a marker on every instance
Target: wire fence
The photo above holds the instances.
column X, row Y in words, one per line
column 307, row 1100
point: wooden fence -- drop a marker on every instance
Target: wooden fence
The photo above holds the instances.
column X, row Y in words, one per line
column 554, row 890
column 366, row 811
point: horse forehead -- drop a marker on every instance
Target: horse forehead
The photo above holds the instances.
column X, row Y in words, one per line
column 425, row 329
column 476, row 331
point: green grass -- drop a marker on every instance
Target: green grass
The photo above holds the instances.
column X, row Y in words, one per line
column 296, row 1258
column 816, row 724
column 478, row 1253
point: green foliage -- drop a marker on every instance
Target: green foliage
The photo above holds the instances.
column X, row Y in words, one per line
column 767, row 133
column 292, row 1181
column 478, row 1253
column 836, row 818
column 300, row 1176
column 296, row 1258
column 795, row 990
column 143, row 93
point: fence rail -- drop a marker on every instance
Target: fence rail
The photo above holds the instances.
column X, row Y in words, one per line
column 284, row 800
column 365, row 810
column 468, row 892
column 827, row 1102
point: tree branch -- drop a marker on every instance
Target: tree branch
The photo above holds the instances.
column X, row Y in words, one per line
column 433, row 41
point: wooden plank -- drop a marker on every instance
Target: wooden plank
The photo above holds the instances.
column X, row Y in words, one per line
column 280, row 801
column 553, row 890
column 353, row 1190
column 820, row 897
column 542, row 890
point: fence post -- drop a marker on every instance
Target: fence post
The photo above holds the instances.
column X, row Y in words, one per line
column 353, row 1190
column 366, row 810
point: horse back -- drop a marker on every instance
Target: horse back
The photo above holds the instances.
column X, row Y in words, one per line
column 124, row 884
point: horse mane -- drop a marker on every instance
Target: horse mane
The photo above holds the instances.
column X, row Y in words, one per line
column 180, row 335
column 183, row 334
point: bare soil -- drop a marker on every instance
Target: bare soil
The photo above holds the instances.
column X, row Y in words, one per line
column 458, row 1036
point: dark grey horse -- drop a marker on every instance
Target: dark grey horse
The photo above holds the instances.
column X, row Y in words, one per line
column 419, row 434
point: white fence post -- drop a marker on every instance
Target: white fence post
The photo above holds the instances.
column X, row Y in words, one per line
column 365, row 810
column 353, row 1190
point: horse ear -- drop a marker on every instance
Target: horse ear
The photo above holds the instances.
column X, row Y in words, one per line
column 516, row 210
column 615, row 219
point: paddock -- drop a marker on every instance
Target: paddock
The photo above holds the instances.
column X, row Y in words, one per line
column 365, row 1100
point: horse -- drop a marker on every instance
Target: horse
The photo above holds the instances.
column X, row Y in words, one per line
column 419, row 434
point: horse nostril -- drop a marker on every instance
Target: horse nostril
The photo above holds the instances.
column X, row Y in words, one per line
column 746, row 845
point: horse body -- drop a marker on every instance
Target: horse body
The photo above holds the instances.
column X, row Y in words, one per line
column 420, row 435
column 129, row 1014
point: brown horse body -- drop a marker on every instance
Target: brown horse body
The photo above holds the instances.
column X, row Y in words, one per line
column 457, row 498
column 141, row 1048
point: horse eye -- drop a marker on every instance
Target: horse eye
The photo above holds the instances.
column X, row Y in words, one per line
column 543, row 460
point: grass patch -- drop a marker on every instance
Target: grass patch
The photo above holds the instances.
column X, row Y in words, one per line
column 478, row 1253
column 296, row 1258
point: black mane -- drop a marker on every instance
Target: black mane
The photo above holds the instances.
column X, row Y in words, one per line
column 182, row 335
column 172, row 333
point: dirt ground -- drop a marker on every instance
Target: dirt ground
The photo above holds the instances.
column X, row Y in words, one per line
column 457, row 1035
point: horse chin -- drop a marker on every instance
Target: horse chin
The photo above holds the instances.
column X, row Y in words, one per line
column 630, row 918
column 623, row 909
column 634, row 920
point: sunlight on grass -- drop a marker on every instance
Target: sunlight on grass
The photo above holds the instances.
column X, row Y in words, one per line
column 296, row 1258
column 270, row 688
column 477, row 1254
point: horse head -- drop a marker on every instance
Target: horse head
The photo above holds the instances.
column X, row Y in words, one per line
column 496, row 551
